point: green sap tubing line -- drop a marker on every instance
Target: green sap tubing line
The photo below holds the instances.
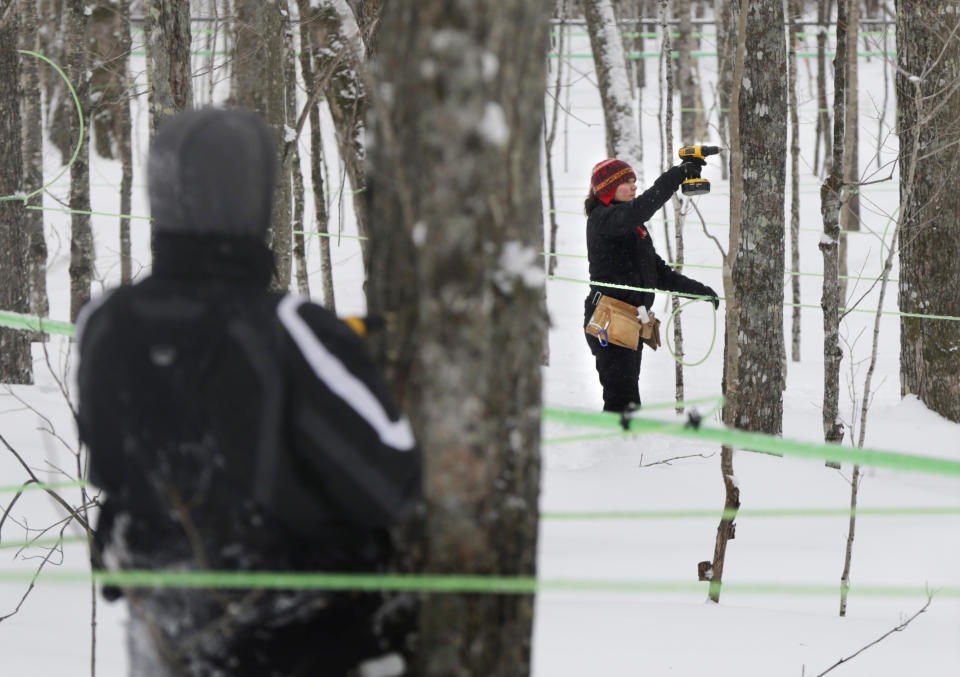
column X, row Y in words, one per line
column 76, row 151
column 896, row 313
column 450, row 584
column 760, row 442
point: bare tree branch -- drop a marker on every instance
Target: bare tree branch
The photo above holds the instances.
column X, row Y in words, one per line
column 882, row 637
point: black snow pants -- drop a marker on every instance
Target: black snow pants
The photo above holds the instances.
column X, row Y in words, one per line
column 619, row 370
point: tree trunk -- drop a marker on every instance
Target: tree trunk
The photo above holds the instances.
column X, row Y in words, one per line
column 167, row 36
column 727, row 14
column 339, row 65
column 611, row 67
column 258, row 83
column 759, row 264
column 689, row 101
column 36, row 252
column 928, row 117
column 675, row 201
column 108, row 74
column 321, row 213
column 731, row 363
column 15, row 361
column 124, row 138
column 550, row 134
column 850, row 203
column 453, row 190
column 831, row 299
column 823, row 113
column 295, row 170
column 81, row 236
column 794, row 10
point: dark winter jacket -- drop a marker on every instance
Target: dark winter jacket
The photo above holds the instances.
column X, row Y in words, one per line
column 620, row 248
column 231, row 427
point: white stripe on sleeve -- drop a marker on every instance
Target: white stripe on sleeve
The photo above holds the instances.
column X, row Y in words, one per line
column 396, row 434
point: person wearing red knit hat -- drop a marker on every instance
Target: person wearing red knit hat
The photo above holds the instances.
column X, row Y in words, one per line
column 621, row 252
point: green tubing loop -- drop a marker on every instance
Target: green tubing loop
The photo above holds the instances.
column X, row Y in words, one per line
column 76, row 151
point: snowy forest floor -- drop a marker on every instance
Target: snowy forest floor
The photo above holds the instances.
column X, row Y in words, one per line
column 668, row 628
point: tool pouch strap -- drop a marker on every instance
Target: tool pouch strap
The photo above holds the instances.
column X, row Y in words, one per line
column 615, row 321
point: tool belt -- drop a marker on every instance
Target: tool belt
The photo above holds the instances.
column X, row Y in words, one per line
column 617, row 322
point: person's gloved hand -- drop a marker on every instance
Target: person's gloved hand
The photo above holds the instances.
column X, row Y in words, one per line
column 691, row 168
column 714, row 297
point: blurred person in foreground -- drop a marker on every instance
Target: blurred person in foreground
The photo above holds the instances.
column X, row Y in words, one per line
column 232, row 428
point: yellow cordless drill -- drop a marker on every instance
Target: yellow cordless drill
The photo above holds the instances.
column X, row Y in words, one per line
column 696, row 186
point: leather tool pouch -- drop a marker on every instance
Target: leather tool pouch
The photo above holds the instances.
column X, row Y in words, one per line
column 617, row 322
column 650, row 332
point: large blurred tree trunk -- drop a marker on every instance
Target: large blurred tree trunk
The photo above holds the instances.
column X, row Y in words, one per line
column 32, row 109
column 623, row 141
column 15, row 364
column 928, row 116
column 167, row 36
column 758, row 268
column 81, row 236
column 258, row 83
column 453, row 260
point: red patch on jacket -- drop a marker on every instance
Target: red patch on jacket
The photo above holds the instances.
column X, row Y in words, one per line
column 642, row 232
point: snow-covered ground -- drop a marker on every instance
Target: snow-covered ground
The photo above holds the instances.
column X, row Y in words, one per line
column 669, row 628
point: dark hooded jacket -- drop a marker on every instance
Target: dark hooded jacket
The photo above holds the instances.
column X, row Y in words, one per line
column 235, row 428
column 620, row 248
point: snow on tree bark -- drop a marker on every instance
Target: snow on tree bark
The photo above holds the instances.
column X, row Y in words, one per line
column 15, row 362
column 453, row 262
column 758, row 268
column 623, row 140
column 928, row 117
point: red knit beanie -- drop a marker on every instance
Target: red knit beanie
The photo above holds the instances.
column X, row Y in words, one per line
column 607, row 175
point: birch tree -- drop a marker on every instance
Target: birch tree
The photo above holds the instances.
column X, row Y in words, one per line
column 453, row 261
column 623, row 141
column 928, row 117
column 15, row 363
